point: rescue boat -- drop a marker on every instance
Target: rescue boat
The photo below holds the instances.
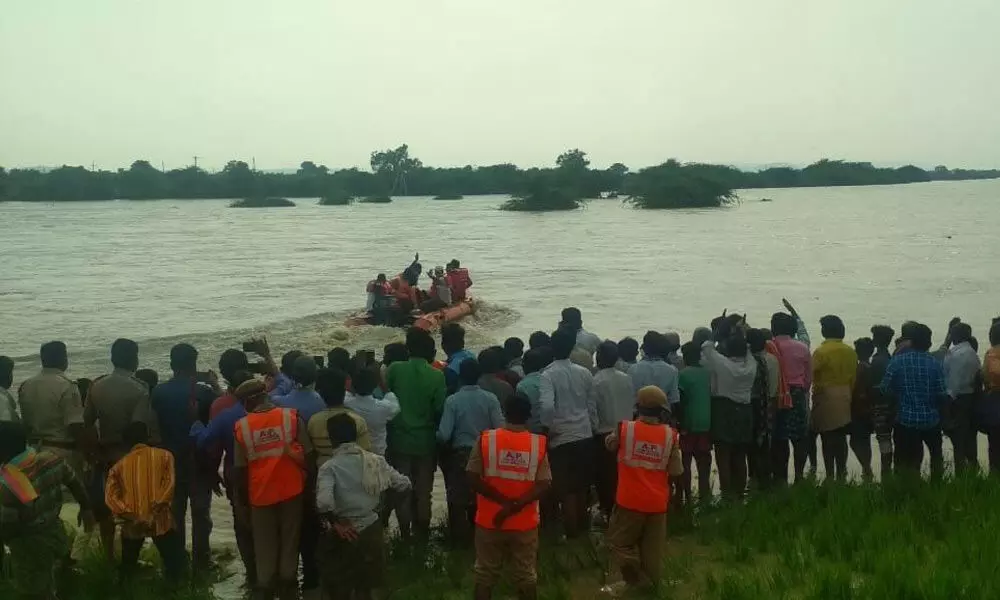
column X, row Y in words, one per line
column 431, row 321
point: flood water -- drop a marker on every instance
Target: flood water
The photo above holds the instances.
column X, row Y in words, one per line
column 167, row 271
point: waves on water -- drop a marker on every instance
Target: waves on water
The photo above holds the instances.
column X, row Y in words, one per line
column 313, row 334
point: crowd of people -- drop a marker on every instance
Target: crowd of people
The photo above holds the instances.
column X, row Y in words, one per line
column 315, row 460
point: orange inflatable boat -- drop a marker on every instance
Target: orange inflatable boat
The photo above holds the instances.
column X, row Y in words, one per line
column 427, row 321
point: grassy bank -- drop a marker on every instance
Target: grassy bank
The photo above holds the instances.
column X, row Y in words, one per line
column 906, row 539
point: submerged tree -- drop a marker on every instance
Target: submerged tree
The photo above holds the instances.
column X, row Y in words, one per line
column 672, row 185
column 393, row 166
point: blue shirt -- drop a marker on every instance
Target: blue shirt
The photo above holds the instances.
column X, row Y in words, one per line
column 177, row 402
column 531, row 386
column 221, row 431
column 283, row 385
column 655, row 371
column 451, row 371
column 467, row 413
column 916, row 379
column 306, row 401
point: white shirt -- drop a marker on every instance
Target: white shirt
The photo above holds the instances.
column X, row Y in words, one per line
column 8, row 408
column 733, row 377
column 588, row 341
column 614, row 399
column 376, row 413
column 961, row 366
column 567, row 405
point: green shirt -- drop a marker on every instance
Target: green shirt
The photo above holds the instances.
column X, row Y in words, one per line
column 421, row 392
column 695, row 384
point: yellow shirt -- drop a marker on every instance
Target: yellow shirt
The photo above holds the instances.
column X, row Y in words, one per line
column 321, row 439
column 139, row 490
column 834, row 364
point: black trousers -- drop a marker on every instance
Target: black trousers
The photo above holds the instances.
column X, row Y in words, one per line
column 171, row 549
column 910, row 444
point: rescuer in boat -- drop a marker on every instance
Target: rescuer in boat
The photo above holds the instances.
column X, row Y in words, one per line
column 380, row 300
column 440, row 292
column 459, row 281
column 406, row 291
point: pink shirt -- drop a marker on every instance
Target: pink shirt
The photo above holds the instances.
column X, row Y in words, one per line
column 796, row 361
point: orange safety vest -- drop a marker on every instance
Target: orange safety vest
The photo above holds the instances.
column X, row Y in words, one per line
column 275, row 460
column 510, row 463
column 643, row 457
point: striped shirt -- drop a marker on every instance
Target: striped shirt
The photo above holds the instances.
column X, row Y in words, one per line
column 48, row 474
column 139, row 490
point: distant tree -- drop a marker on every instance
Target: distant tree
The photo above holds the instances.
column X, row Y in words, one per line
column 393, row 166
column 672, row 185
column 238, row 179
column 312, row 180
column 142, row 181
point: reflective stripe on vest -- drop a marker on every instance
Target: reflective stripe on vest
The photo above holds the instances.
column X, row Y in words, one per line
column 511, row 464
column 645, row 455
column 267, row 436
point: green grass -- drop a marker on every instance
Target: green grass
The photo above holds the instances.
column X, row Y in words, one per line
column 905, row 539
column 91, row 577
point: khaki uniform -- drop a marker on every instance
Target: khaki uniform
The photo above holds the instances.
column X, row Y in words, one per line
column 50, row 404
column 637, row 541
column 115, row 401
column 518, row 548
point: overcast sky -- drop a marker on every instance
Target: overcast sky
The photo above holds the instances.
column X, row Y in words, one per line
column 481, row 82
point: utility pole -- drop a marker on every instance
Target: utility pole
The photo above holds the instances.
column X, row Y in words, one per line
column 253, row 159
column 196, row 157
column 162, row 168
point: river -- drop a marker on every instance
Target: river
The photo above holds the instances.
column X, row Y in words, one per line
column 167, row 271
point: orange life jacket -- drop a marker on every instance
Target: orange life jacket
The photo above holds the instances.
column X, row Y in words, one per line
column 275, row 460
column 459, row 281
column 510, row 463
column 405, row 292
column 643, row 457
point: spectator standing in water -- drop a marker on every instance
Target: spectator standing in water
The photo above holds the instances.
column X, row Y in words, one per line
column 530, row 387
column 116, row 401
column 491, row 364
column 569, row 414
column 514, row 349
column 283, row 383
column 348, row 489
column 648, row 455
column 307, row 403
column 653, row 369
column 695, row 384
column 916, row 380
column 791, row 423
column 178, row 403
column 377, row 413
column 52, row 409
column 273, row 475
column 862, row 424
column 615, row 402
column 509, row 471
column 628, row 354
column 835, row 369
column 421, row 391
column 988, row 414
column 8, row 406
column 961, row 371
column 883, row 404
column 29, row 511
column 572, row 319
column 453, row 344
column 467, row 414
column 734, row 371
column 139, row 491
